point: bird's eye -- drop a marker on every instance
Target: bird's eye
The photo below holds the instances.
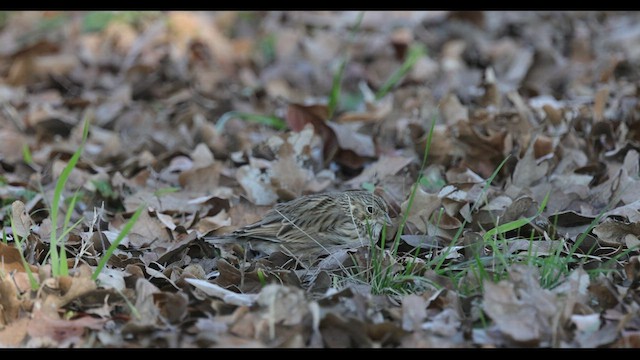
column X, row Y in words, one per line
column 370, row 209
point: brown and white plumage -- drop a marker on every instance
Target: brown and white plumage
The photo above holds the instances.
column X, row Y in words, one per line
column 315, row 225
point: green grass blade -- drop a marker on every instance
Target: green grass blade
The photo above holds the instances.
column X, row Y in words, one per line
column 442, row 258
column 56, row 268
column 262, row 278
column 415, row 53
column 273, row 121
column 414, row 187
column 16, row 238
column 64, row 267
column 125, row 230
column 334, row 96
column 504, row 228
column 26, row 154
column 165, row 191
column 381, row 277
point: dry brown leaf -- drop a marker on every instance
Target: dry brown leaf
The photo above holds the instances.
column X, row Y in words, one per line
column 298, row 116
column 350, row 139
column 615, row 233
column 288, row 177
column 446, row 323
column 280, row 306
column 10, row 302
column 148, row 229
column 11, row 143
column 422, row 209
column 629, row 179
column 338, row 332
column 211, row 223
column 453, row 111
column 252, row 281
column 67, row 288
column 173, row 307
column 77, row 178
column 57, row 64
column 629, row 212
column 593, row 338
column 201, row 179
column 377, row 110
column 442, row 149
column 146, row 308
column 10, row 260
column 600, row 100
column 44, row 328
column 414, row 312
column 384, row 167
column 13, row 334
column 528, row 171
column 202, row 156
column 256, row 185
column 521, row 309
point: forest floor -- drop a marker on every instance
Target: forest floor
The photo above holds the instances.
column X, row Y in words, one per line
column 505, row 143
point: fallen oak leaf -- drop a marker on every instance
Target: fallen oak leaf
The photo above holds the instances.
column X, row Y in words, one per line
column 299, row 115
column 10, row 260
column 60, row 330
column 9, row 300
column 350, row 139
column 13, row 334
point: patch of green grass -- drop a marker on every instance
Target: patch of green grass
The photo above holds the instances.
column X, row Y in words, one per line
column 57, row 253
column 430, row 183
column 389, row 274
column 95, row 21
column 272, row 121
column 382, row 274
column 554, row 265
column 27, row 194
column 497, row 265
column 267, row 48
column 46, row 26
column 59, row 256
column 114, row 245
column 165, row 191
column 103, row 187
column 351, row 101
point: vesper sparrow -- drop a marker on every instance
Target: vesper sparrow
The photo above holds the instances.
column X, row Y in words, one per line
column 315, row 225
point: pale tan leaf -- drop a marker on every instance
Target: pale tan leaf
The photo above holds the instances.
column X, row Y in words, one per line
column 225, row 295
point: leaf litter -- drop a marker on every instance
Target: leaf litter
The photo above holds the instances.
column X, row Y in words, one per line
column 207, row 119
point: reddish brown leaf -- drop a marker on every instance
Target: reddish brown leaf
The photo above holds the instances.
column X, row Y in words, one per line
column 298, row 116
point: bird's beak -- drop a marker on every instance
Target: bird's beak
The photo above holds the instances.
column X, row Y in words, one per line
column 387, row 220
